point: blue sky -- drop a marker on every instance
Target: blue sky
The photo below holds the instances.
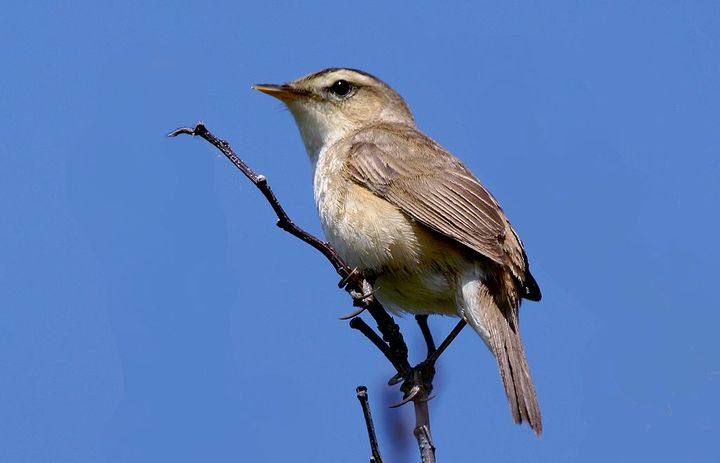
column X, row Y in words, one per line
column 151, row 311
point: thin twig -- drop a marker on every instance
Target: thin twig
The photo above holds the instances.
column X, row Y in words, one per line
column 351, row 280
column 359, row 324
column 260, row 182
column 422, row 425
column 422, row 431
column 364, row 403
column 417, row 382
column 391, row 334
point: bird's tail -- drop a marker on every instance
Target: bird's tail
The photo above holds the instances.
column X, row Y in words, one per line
column 500, row 332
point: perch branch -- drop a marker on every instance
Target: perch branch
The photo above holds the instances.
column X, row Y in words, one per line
column 260, row 182
column 422, row 430
column 363, row 398
column 351, row 280
column 417, row 381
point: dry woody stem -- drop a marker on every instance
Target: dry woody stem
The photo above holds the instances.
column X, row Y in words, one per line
column 364, row 403
column 416, row 381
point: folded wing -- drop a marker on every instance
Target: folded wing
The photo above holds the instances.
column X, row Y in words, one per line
column 442, row 194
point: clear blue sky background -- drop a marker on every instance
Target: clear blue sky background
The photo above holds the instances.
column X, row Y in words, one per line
column 151, row 311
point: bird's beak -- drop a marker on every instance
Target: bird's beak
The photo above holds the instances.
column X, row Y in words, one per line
column 282, row 92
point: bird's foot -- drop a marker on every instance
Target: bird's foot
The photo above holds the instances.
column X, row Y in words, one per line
column 359, row 289
column 350, row 276
column 417, row 383
column 362, row 298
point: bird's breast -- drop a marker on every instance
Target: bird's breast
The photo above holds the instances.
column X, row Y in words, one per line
column 415, row 267
column 367, row 231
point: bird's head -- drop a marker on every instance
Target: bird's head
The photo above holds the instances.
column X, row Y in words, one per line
column 334, row 102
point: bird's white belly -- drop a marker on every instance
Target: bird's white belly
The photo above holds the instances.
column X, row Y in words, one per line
column 367, row 231
column 414, row 271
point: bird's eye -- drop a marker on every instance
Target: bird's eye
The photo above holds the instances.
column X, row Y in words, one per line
column 341, row 87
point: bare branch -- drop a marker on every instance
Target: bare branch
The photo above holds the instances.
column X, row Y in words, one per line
column 260, row 182
column 359, row 324
column 363, row 398
column 417, row 381
column 422, row 432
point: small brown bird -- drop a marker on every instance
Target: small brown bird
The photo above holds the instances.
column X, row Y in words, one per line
column 412, row 217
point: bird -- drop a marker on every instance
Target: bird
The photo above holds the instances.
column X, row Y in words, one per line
column 412, row 217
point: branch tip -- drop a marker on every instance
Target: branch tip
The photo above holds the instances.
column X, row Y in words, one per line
column 180, row 131
column 369, row 426
column 199, row 129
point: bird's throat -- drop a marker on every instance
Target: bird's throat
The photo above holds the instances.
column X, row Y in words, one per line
column 317, row 129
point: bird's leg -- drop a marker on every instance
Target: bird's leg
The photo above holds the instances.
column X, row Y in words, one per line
column 427, row 335
column 446, row 342
column 429, row 342
column 418, row 382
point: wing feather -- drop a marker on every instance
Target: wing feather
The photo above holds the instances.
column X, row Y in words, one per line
column 408, row 169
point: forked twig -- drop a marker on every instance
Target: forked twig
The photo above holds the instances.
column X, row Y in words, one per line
column 417, row 381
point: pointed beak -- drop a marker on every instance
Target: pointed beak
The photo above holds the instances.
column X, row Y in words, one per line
column 282, row 92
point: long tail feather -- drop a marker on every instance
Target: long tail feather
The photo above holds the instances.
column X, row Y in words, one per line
column 515, row 375
column 500, row 333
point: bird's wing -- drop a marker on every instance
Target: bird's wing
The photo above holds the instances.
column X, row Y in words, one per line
column 433, row 187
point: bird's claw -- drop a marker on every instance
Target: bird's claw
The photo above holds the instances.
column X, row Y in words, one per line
column 414, row 391
column 418, row 379
column 359, row 297
column 345, row 280
column 352, row 314
column 397, row 377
